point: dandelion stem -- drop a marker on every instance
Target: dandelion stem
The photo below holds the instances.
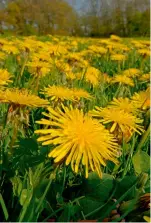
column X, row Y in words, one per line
column 22, row 70
column 144, row 138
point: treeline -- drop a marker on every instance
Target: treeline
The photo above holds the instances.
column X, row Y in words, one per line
column 95, row 17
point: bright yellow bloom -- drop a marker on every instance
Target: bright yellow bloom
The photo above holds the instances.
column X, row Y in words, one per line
column 145, row 77
column 39, row 68
column 80, row 93
column 28, row 44
column 70, row 75
column 105, row 78
column 21, row 97
column 123, row 80
column 2, row 56
column 79, row 140
column 137, row 44
column 42, row 55
column 119, row 119
column 59, row 93
column 145, row 42
column 62, row 67
column 142, row 99
column 118, row 57
column 57, row 50
column 132, row 72
column 63, row 93
column 97, row 49
column 124, row 104
column 115, row 38
column 38, row 64
column 75, row 59
column 144, row 52
column 10, row 49
column 5, row 77
column 4, row 42
column 92, row 75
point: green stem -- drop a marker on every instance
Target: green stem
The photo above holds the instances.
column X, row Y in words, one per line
column 117, row 91
column 22, row 71
column 129, row 158
column 45, row 192
column 4, row 207
column 143, row 139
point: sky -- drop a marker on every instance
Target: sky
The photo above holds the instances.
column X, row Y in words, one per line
column 76, row 4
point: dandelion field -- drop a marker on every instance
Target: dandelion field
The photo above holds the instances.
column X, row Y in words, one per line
column 74, row 129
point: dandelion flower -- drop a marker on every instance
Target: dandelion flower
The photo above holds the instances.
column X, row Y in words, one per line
column 79, row 140
column 92, row 75
column 142, row 99
column 118, row 57
column 132, row 72
column 2, row 56
column 119, row 119
column 80, row 93
column 97, row 49
column 145, row 77
column 22, row 98
column 123, row 80
column 10, row 49
column 144, row 52
column 70, row 75
column 58, row 93
column 5, row 77
column 115, row 38
column 124, row 104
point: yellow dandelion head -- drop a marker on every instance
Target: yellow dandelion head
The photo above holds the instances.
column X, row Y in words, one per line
column 145, row 77
column 58, row 93
column 97, row 49
column 118, row 119
column 22, row 98
column 105, row 78
column 92, row 75
column 2, row 56
column 10, row 49
column 62, row 66
column 5, row 77
column 137, row 44
column 80, row 93
column 132, row 72
column 57, row 50
column 115, row 38
column 142, row 99
column 118, row 57
column 79, row 140
column 123, row 104
column 144, row 52
column 70, row 75
column 38, row 64
column 123, row 80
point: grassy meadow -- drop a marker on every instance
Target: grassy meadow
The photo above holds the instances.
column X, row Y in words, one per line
column 74, row 129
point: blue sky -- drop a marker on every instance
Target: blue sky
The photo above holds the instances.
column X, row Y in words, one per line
column 76, row 4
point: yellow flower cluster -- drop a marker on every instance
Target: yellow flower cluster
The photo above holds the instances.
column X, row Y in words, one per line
column 63, row 75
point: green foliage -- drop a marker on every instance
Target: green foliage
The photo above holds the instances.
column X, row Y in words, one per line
column 29, row 17
column 141, row 162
